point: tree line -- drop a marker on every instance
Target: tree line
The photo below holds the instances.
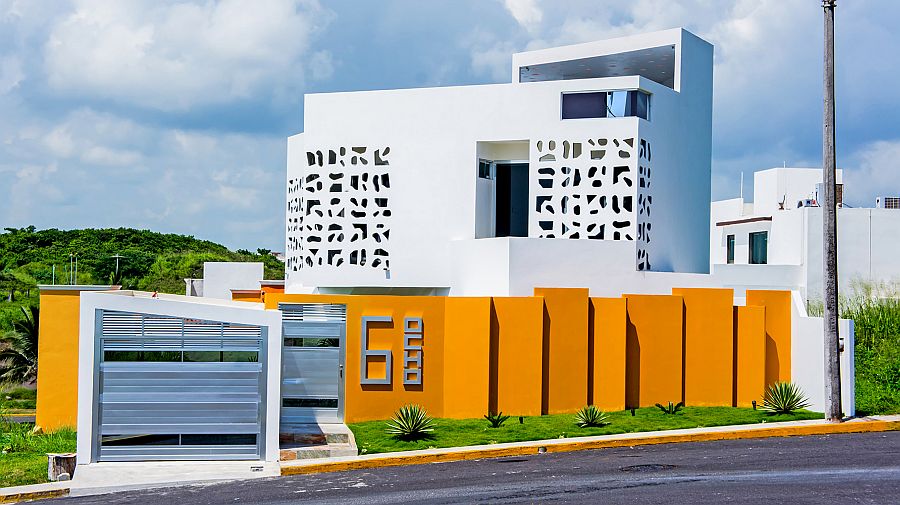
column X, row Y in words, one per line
column 147, row 260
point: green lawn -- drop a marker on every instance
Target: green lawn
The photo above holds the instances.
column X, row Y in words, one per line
column 18, row 400
column 371, row 437
column 23, row 456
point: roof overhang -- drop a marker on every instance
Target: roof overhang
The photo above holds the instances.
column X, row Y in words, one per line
column 745, row 220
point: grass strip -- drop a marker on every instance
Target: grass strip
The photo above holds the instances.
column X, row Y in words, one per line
column 371, row 437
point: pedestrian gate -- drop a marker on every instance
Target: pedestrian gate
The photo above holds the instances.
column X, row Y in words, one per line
column 171, row 388
column 312, row 363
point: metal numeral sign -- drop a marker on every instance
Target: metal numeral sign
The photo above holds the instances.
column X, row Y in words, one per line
column 412, row 353
column 413, row 339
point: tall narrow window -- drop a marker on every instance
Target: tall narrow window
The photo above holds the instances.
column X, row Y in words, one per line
column 729, row 244
column 759, row 245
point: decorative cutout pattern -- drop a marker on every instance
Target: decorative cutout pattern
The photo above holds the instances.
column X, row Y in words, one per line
column 584, row 189
column 644, row 204
column 339, row 210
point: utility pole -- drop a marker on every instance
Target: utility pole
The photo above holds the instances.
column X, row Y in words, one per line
column 829, row 220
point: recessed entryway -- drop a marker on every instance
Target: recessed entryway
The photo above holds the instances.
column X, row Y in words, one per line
column 501, row 208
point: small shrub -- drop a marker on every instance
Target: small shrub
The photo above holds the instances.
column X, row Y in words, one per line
column 591, row 417
column 496, row 420
column 14, row 437
column 411, row 422
column 784, row 398
column 671, row 408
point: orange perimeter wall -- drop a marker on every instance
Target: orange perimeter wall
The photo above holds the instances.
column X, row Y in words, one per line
column 778, row 331
column 57, row 377
column 708, row 346
column 560, row 350
column 550, row 353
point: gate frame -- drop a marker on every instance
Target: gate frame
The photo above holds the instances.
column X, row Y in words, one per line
column 183, row 307
column 342, row 358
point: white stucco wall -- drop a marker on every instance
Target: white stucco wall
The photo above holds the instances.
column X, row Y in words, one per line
column 219, row 278
column 177, row 306
column 722, row 210
column 808, row 358
column 773, row 185
column 868, row 241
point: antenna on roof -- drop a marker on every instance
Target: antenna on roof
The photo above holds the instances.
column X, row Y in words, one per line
column 784, row 164
column 742, row 184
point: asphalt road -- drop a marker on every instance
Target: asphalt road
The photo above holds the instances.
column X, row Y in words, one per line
column 837, row 469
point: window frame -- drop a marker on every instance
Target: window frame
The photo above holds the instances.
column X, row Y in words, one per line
column 753, row 237
column 609, row 93
column 729, row 249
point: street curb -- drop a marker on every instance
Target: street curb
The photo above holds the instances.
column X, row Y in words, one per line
column 33, row 495
column 569, row 445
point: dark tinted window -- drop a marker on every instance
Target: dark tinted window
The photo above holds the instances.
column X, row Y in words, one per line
column 730, row 248
column 583, row 105
column 601, row 104
column 759, row 248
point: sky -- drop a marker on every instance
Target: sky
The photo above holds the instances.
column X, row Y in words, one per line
column 173, row 115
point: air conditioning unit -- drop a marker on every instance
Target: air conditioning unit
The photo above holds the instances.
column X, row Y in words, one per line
column 887, row 202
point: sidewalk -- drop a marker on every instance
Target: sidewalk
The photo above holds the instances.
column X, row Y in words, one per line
column 104, row 478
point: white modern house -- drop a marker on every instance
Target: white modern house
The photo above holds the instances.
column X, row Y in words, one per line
column 603, row 148
column 591, row 169
column 775, row 241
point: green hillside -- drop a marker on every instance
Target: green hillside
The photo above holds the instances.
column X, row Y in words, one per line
column 148, row 261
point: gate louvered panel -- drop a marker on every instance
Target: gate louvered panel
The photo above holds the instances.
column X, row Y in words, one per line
column 124, row 331
column 180, row 410
column 313, row 312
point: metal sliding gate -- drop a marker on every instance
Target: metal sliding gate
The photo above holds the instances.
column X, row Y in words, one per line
column 312, row 363
column 171, row 388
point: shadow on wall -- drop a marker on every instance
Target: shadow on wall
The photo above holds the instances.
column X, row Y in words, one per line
column 545, row 362
column 632, row 366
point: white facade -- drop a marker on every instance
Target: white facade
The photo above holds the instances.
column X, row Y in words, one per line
column 384, row 190
column 220, row 277
column 867, row 238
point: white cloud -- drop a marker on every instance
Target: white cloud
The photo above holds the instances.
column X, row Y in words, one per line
column 175, row 56
column 94, row 138
column 105, row 156
column 11, row 73
column 321, row 65
column 60, row 142
column 526, row 13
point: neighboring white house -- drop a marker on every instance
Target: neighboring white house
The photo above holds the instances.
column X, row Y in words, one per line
column 776, row 240
column 603, row 147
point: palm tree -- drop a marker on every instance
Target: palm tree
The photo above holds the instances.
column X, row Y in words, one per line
column 18, row 356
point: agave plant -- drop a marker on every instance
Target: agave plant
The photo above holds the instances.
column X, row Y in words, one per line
column 497, row 419
column 591, row 417
column 411, row 422
column 671, row 408
column 784, row 398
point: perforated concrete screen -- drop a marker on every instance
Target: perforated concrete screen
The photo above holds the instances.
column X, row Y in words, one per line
column 339, row 210
column 585, row 189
